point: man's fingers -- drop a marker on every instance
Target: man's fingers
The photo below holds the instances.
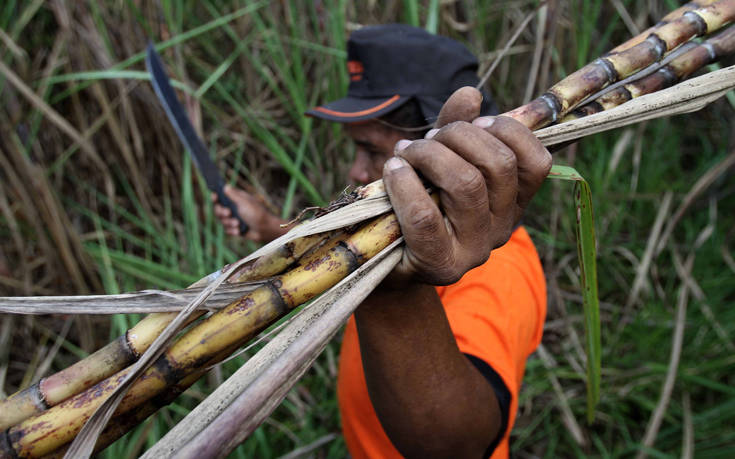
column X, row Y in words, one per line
column 421, row 221
column 464, row 196
column 221, row 212
column 463, row 105
column 533, row 159
column 498, row 165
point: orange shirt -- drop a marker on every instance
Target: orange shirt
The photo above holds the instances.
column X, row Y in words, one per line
column 496, row 312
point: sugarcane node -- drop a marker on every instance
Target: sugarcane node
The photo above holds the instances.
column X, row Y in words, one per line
column 659, row 46
column 612, row 74
column 698, row 21
column 60, row 386
column 28, row 399
column 346, row 254
column 681, row 30
column 717, row 15
column 282, row 306
column 579, row 84
column 553, row 103
column 662, row 78
column 151, row 383
column 632, row 60
column 134, row 354
column 38, row 395
column 688, row 63
column 373, row 237
column 354, row 262
column 166, row 367
column 533, row 115
column 300, row 285
column 711, row 49
column 279, row 260
column 615, row 98
column 670, row 17
column 121, row 424
column 689, row 58
column 323, row 248
column 669, row 77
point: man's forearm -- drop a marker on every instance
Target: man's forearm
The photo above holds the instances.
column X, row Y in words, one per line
column 429, row 398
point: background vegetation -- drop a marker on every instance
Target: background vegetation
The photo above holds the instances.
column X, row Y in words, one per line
column 97, row 195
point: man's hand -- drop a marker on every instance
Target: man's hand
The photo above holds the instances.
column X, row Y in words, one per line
column 430, row 399
column 485, row 170
column 264, row 226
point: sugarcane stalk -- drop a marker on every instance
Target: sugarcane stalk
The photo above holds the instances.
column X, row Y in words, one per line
column 693, row 57
column 695, row 18
column 231, row 326
column 243, row 318
column 672, row 16
column 126, row 349
column 565, row 95
column 122, row 424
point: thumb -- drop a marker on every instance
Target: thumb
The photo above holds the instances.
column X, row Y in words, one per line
column 463, row 105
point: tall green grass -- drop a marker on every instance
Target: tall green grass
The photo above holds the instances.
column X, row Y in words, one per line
column 248, row 70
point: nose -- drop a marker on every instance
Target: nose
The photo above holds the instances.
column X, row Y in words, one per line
column 359, row 170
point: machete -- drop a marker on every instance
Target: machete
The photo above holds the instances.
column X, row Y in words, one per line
column 187, row 134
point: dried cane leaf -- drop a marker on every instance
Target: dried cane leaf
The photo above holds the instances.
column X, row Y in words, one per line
column 145, row 301
column 295, row 347
column 685, row 97
column 83, row 444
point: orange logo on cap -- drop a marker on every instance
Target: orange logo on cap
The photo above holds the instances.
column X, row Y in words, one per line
column 355, row 70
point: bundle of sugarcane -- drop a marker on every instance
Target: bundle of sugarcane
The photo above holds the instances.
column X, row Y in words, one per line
column 316, row 256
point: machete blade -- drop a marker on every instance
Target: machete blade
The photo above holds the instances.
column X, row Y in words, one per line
column 184, row 129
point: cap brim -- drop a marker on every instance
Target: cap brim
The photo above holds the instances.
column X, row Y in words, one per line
column 353, row 109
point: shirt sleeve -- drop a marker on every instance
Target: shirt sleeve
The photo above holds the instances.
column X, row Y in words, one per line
column 497, row 312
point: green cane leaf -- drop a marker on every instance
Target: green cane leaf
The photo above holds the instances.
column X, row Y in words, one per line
column 587, row 254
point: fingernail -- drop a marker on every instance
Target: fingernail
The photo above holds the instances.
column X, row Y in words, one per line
column 484, row 122
column 402, row 144
column 394, row 163
column 431, row 134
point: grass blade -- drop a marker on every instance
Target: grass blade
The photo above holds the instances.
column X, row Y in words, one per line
column 587, row 253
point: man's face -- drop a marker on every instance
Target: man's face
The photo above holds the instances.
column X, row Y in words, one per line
column 374, row 144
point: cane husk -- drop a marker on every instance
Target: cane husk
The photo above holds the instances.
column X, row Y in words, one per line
column 672, row 16
column 122, row 424
column 51, row 429
column 232, row 326
column 565, row 95
column 54, row 389
column 694, row 57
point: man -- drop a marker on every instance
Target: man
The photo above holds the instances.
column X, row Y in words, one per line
column 434, row 371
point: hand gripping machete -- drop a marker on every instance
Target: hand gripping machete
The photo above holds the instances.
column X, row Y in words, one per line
column 187, row 134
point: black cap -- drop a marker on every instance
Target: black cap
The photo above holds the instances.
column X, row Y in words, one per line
column 390, row 64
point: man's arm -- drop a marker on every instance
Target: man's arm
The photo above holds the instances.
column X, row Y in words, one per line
column 429, row 398
column 431, row 401
column 264, row 226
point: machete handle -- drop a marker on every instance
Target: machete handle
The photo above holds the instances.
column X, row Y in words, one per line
column 227, row 202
